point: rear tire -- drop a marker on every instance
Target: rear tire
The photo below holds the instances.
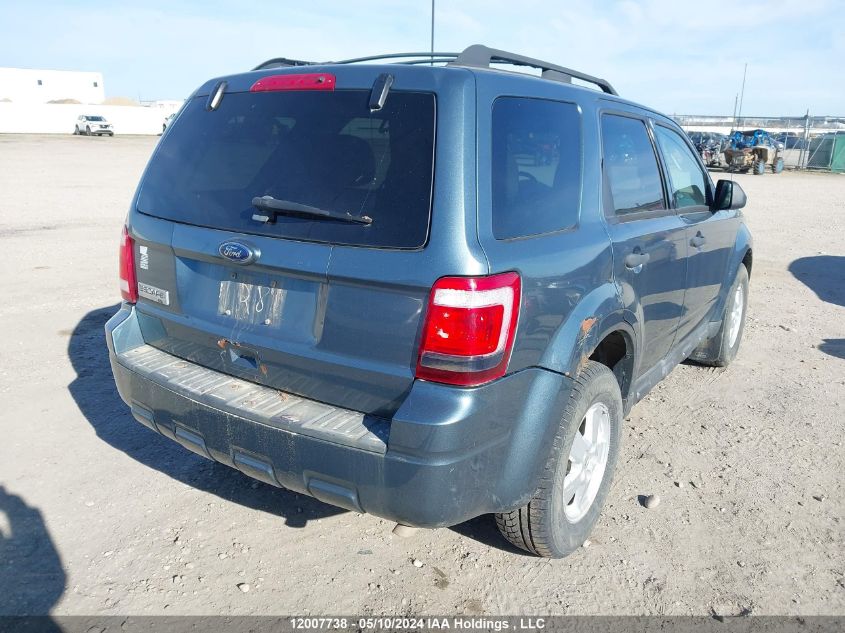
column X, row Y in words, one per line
column 552, row 524
column 87, row 131
column 721, row 350
column 76, row 130
column 759, row 167
column 777, row 166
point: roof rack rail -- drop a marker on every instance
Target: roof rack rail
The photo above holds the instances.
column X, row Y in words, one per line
column 475, row 56
column 424, row 58
column 282, row 62
column 479, row 56
column 414, row 58
column 427, row 60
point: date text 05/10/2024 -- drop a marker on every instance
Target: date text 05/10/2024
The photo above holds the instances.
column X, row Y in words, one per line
column 419, row 624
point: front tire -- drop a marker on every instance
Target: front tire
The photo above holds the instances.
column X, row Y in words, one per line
column 759, row 167
column 777, row 166
column 578, row 472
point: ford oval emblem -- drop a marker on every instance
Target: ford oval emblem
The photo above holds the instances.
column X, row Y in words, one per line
column 238, row 252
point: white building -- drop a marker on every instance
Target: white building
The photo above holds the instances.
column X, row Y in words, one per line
column 27, row 85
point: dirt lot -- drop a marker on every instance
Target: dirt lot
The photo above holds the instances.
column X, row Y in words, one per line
column 99, row 515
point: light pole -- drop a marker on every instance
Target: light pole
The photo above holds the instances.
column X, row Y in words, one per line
column 733, row 123
column 742, row 92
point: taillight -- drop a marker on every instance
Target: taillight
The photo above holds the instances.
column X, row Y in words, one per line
column 469, row 329
column 128, row 283
column 300, row 81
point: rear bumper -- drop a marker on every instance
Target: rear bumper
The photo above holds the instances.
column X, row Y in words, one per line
column 447, row 455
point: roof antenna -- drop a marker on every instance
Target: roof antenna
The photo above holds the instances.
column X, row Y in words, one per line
column 432, row 34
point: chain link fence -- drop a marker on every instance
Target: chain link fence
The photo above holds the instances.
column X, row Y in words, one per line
column 810, row 142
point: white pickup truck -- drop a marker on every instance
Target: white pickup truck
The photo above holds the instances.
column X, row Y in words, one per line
column 89, row 124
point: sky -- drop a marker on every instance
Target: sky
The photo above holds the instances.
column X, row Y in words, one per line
column 677, row 56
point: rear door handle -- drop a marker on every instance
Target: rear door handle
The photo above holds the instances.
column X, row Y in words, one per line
column 636, row 259
column 698, row 240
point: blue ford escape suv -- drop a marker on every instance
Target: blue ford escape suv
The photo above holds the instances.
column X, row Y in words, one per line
column 427, row 290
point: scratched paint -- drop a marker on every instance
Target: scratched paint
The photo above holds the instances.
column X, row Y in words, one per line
column 586, row 327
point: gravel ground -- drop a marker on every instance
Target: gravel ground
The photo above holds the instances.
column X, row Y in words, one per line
column 98, row 515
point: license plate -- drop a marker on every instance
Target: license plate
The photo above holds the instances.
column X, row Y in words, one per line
column 154, row 294
column 250, row 303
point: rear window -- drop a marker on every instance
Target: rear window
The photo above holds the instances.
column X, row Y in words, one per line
column 322, row 149
column 536, row 166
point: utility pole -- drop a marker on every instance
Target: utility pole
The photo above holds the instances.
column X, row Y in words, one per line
column 742, row 93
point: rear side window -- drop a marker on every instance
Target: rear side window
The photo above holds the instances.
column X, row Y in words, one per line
column 630, row 167
column 322, row 149
column 689, row 186
column 536, row 166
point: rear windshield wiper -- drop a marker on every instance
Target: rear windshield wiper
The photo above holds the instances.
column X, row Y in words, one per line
column 273, row 207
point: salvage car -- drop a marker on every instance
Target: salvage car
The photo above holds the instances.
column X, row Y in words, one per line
column 423, row 291
column 167, row 121
column 753, row 151
column 93, row 125
column 710, row 146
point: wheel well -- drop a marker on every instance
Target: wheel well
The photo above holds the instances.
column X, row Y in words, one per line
column 746, row 261
column 616, row 351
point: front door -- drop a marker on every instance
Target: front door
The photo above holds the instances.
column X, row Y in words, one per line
column 710, row 235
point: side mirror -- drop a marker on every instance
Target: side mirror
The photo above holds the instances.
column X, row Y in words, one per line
column 729, row 195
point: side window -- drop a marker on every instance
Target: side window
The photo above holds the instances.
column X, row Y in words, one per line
column 689, row 185
column 536, row 168
column 630, row 167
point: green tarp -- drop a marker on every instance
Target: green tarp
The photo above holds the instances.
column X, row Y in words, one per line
column 837, row 162
column 828, row 152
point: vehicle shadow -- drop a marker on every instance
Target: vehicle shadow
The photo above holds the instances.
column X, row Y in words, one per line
column 824, row 275
column 95, row 394
column 483, row 529
column 833, row 347
column 31, row 576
